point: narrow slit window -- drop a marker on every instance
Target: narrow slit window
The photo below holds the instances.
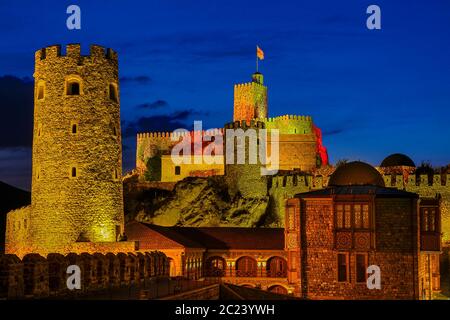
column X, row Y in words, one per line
column 74, row 172
column 113, row 92
column 40, row 92
column 74, row 128
column 177, row 170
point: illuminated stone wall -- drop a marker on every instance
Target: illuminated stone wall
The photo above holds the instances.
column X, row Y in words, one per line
column 191, row 169
column 17, row 239
column 88, row 207
column 246, row 178
column 250, row 100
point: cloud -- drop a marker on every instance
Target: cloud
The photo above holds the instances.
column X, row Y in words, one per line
column 136, row 79
column 162, row 123
column 153, row 105
column 330, row 132
column 16, row 122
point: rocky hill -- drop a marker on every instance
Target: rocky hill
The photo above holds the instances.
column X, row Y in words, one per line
column 196, row 202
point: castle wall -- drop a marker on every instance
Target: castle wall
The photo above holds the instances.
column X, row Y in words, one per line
column 191, row 169
column 244, row 178
column 290, row 124
column 35, row 276
column 89, row 205
column 283, row 187
column 17, row 240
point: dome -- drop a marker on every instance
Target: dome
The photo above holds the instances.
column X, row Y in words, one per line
column 397, row 160
column 356, row 173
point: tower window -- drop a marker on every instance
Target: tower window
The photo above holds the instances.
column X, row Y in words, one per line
column 73, row 172
column 41, row 90
column 74, row 128
column 113, row 92
column 73, row 88
column 116, row 174
column 177, row 170
column 39, row 130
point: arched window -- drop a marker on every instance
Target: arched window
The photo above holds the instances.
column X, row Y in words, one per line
column 277, row 267
column 278, row 289
column 113, row 92
column 215, row 267
column 246, row 267
column 73, row 87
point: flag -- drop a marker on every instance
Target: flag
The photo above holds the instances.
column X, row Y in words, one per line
column 259, row 53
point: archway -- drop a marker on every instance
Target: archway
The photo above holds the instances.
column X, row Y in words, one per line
column 277, row 289
column 276, row 267
column 246, row 267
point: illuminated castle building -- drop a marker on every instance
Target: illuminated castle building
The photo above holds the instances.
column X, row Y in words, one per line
column 336, row 224
column 300, row 141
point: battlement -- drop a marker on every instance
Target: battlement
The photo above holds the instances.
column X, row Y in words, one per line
column 290, row 124
column 318, row 182
column 254, row 124
column 74, row 51
column 288, row 117
column 168, row 135
column 414, row 181
column 247, row 85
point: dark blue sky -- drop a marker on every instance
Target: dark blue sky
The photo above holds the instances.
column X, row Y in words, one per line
column 372, row 92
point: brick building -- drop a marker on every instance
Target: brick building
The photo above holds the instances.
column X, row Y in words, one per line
column 331, row 237
column 334, row 234
column 252, row 257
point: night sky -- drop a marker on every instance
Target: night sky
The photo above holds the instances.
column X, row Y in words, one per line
column 373, row 92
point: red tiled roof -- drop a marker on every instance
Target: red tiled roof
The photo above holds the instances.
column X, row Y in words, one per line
column 154, row 237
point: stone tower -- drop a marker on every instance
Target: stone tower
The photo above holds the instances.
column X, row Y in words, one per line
column 244, row 178
column 77, row 156
column 250, row 99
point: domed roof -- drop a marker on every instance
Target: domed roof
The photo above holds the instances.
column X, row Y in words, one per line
column 356, row 173
column 397, row 160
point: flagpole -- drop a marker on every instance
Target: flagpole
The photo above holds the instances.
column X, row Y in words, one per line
column 256, row 58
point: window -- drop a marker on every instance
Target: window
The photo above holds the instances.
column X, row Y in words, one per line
column 73, row 88
column 73, row 172
column 38, row 173
column 355, row 213
column 39, row 130
column 361, row 267
column 74, row 128
column 41, row 90
column 342, row 267
column 361, row 214
column 113, row 92
column 177, row 170
column 429, row 219
column 115, row 174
